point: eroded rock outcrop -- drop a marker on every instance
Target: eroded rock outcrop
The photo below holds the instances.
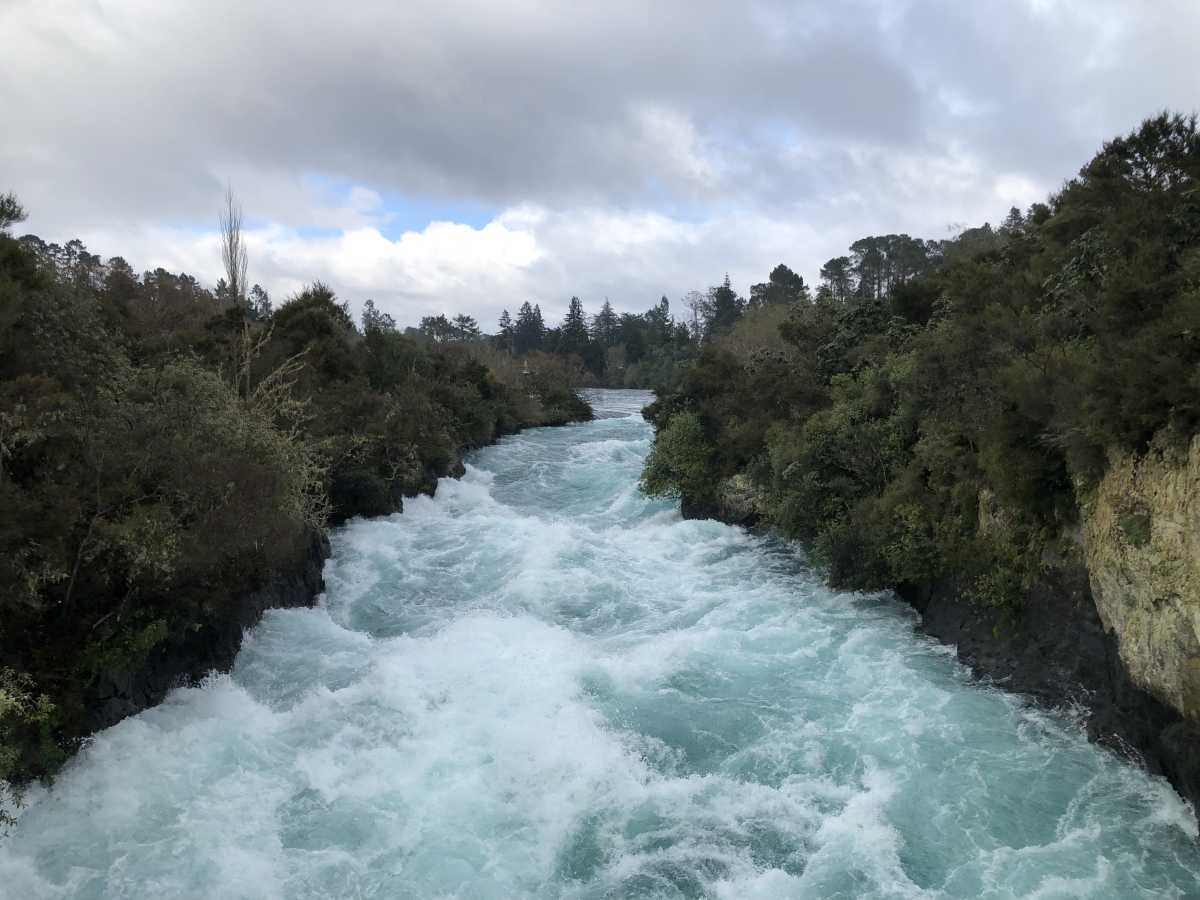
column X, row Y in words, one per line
column 1141, row 531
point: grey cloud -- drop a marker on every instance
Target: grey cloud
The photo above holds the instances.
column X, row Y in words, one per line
column 810, row 119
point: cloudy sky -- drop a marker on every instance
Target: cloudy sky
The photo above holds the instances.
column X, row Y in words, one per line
column 463, row 156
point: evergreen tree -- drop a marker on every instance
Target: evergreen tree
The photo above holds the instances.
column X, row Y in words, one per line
column 782, row 288
column 539, row 329
column 1014, row 223
column 837, row 279
column 530, row 330
column 723, row 307
column 466, row 328
column 632, row 336
column 658, row 322
column 604, row 325
column 374, row 320
column 573, row 335
column 869, row 264
column 504, row 338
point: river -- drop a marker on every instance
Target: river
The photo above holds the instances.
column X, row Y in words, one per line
column 541, row 684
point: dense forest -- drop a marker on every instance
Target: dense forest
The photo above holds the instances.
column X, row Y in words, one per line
column 165, row 449
column 621, row 350
column 608, row 349
column 942, row 409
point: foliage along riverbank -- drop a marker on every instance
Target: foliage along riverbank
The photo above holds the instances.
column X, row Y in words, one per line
column 941, row 417
column 170, row 457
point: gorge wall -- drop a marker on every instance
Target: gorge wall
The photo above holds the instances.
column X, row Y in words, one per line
column 1141, row 534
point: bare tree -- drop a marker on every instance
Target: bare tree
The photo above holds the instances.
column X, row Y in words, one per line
column 699, row 305
column 233, row 248
column 235, row 259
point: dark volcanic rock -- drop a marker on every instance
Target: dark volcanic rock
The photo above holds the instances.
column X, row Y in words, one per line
column 690, row 508
column 736, row 503
column 187, row 657
column 1058, row 653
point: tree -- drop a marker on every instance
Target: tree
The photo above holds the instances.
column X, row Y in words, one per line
column 573, row 335
column 723, row 307
column 869, row 263
column 466, row 328
column 437, row 328
column 530, row 330
column 697, row 304
column 506, row 334
column 121, row 285
column 235, row 260
column 374, row 320
column 11, row 212
column 233, row 248
column 260, row 303
column 782, row 287
column 681, row 461
column 604, row 325
column 632, row 336
column 658, row 323
column 837, row 278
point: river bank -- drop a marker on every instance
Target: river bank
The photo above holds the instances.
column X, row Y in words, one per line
column 186, row 657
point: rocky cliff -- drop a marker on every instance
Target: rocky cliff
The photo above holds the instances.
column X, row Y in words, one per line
column 1141, row 531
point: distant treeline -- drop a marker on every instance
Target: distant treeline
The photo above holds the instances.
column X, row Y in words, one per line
column 604, row 350
column 941, row 410
column 626, row 350
column 165, row 448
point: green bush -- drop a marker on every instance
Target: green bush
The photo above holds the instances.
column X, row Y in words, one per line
column 681, row 461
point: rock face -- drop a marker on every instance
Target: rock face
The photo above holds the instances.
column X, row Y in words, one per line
column 1141, row 535
column 739, row 501
column 185, row 658
column 736, row 502
column 1061, row 655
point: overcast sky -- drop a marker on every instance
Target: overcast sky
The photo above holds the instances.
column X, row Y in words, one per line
column 461, row 156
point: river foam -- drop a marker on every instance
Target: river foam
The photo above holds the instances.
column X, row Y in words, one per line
column 540, row 684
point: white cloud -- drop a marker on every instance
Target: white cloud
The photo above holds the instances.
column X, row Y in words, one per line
column 631, row 149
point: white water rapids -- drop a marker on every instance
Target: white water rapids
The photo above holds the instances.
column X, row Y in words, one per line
column 540, row 684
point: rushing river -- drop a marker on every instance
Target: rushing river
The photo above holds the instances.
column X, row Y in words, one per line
column 541, row 684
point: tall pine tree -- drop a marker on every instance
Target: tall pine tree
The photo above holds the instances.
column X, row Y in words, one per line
column 573, row 335
column 722, row 309
column 507, row 333
column 530, row 330
column 605, row 325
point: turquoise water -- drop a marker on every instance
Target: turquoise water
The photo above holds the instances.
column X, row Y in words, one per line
column 540, row 684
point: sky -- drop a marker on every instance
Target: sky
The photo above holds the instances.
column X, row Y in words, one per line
column 461, row 156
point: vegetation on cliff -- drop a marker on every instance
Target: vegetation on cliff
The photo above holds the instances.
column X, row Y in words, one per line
column 165, row 448
column 941, row 409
